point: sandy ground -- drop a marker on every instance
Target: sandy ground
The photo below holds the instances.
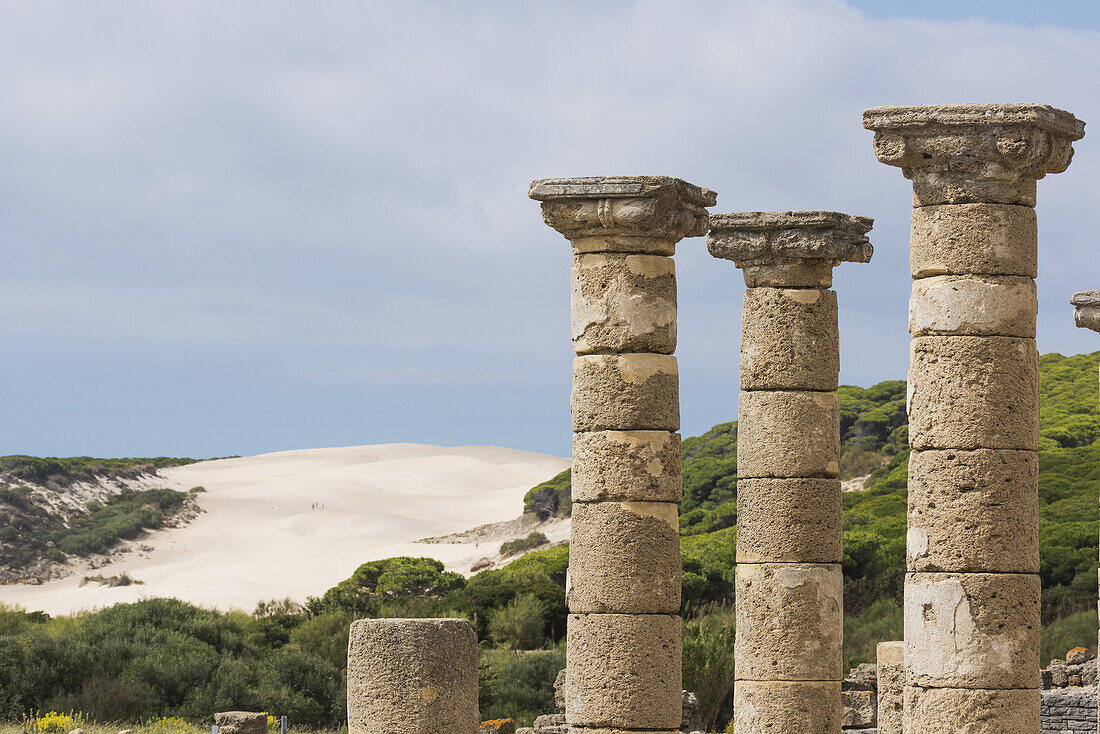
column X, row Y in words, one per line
column 295, row 523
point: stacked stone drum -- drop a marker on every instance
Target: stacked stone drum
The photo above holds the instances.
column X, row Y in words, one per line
column 1086, row 314
column 623, row 643
column 972, row 587
column 789, row 584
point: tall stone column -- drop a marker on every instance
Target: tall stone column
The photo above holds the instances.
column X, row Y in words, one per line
column 1086, row 314
column 623, row 648
column 789, row 586
column 972, row 587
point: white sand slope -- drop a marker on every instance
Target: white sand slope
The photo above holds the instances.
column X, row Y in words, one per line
column 295, row 523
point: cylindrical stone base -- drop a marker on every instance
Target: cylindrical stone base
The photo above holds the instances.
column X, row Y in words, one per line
column 624, row 671
column 624, row 303
column 789, row 339
column 973, row 392
column 624, row 557
column 891, row 686
column 412, row 676
column 972, row 630
column 788, row 433
column 789, row 622
column 974, row 239
column 626, row 392
column 971, row 711
column 762, row 707
column 974, row 511
column 640, row 466
column 788, row 520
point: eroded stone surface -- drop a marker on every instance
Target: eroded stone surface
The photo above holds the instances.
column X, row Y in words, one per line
column 788, row 520
column 623, row 303
column 972, row 630
column 891, row 686
column 789, row 249
column 786, row 708
column 788, row 434
column 973, row 511
column 966, row 305
column 624, row 670
column 241, row 722
column 789, row 339
column 963, row 153
column 625, row 392
column 971, row 711
column 642, row 214
column 789, row 621
column 624, row 557
column 1086, row 313
column 642, row 466
column 970, row 392
column 412, row 676
column 974, row 239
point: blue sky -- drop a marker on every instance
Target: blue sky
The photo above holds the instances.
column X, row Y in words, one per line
column 237, row 228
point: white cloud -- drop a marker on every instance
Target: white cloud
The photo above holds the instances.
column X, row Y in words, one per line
column 345, row 184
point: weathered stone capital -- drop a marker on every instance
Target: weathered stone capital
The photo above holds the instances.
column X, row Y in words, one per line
column 974, row 153
column 1087, row 311
column 796, row 249
column 641, row 214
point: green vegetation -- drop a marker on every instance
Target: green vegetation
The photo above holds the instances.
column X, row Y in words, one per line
column 65, row 471
column 169, row 658
column 522, row 545
column 551, row 498
column 29, row 532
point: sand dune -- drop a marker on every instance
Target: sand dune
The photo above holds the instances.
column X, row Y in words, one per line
column 295, row 523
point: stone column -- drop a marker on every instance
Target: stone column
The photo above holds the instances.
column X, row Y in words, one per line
column 789, row 584
column 412, row 676
column 623, row 647
column 891, row 686
column 972, row 587
column 1086, row 314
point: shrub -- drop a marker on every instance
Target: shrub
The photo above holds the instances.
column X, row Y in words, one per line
column 520, row 623
column 519, row 545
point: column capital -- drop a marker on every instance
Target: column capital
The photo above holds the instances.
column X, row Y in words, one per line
column 636, row 214
column 974, row 153
column 789, row 249
column 1086, row 313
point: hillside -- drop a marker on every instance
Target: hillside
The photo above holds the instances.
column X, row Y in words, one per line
column 53, row 511
column 294, row 523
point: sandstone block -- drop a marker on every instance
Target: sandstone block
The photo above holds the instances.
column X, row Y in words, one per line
column 786, row 708
column 625, row 392
column 624, row 303
column 969, row 392
column 972, row 630
column 412, row 676
column 791, row 520
column 788, row 434
column 624, row 671
column 643, row 466
column 624, row 558
column 971, row 711
column 974, row 239
column 241, row 722
column 970, row 305
column 974, row 511
column 859, row 709
column 789, row 621
column 891, row 686
column 789, row 339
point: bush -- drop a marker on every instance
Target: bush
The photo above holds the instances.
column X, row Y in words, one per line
column 708, row 640
column 520, row 545
column 519, row 686
column 520, row 623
